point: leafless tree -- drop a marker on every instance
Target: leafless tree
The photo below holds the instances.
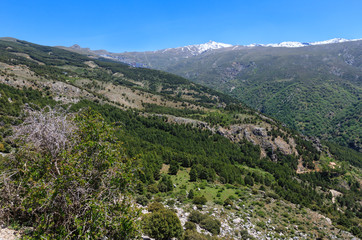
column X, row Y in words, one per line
column 48, row 130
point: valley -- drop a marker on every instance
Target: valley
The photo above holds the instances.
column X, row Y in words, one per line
column 226, row 170
column 314, row 88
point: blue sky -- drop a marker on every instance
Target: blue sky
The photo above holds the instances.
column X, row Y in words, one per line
column 142, row 25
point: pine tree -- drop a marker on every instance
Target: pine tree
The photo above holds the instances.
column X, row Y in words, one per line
column 191, row 194
column 174, row 167
column 193, row 175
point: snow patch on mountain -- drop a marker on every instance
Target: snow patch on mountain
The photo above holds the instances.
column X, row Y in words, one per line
column 199, row 48
column 210, row 45
column 193, row 50
column 282, row 44
column 299, row 44
column 334, row 40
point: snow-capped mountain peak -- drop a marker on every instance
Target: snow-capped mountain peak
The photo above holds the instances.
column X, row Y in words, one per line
column 199, row 48
column 299, row 44
column 286, row 44
column 210, row 45
column 334, row 40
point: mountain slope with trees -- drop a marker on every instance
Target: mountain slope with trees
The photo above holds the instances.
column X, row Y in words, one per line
column 178, row 137
column 314, row 89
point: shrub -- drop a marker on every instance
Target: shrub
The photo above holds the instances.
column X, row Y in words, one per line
column 148, row 195
column 261, row 213
column 165, row 184
column 261, row 224
column 73, row 188
column 152, row 188
column 143, row 200
column 196, row 216
column 158, row 199
column 181, row 195
column 205, row 221
column 200, row 200
column 163, row 225
column 356, row 230
column 249, row 180
column 47, row 131
column 155, row 206
column 171, row 202
column 232, row 197
column 190, row 226
column 272, row 195
column 211, row 225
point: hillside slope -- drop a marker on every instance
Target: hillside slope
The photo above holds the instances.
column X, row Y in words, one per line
column 69, row 77
column 189, row 137
column 313, row 89
column 307, row 88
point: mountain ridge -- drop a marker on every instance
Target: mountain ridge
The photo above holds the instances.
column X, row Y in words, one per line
column 212, row 45
column 290, row 74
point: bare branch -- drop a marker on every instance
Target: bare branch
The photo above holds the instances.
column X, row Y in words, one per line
column 47, row 130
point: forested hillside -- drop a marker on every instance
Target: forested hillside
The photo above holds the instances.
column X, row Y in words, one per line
column 314, row 89
column 164, row 142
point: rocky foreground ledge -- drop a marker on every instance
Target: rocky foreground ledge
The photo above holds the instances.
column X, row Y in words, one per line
column 9, row 234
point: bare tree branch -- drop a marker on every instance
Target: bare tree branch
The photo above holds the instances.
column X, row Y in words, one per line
column 47, row 130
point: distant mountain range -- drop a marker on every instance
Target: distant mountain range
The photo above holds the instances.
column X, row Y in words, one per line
column 299, row 44
column 197, row 49
column 160, row 59
column 313, row 87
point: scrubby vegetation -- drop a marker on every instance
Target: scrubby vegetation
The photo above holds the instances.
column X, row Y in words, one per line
column 76, row 190
column 162, row 224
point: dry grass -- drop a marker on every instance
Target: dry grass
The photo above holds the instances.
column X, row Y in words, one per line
column 164, row 168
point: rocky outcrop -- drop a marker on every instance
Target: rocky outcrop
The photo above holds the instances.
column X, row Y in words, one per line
column 255, row 134
column 9, row 234
column 258, row 136
column 243, row 219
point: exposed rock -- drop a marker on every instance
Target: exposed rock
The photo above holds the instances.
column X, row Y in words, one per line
column 259, row 132
column 316, row 143
column 335, row 194
column 91, row 64
column 283, row 146
column 9, row 234
column 237, row 220
column 252, row 133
